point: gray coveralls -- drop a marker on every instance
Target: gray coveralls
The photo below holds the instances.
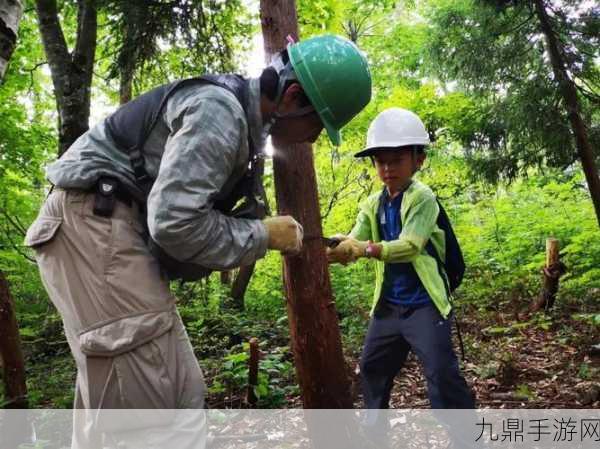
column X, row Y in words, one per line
column 128, row 341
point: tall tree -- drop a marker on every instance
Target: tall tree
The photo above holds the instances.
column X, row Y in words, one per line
column 200, row 37
column 312, row 316
column 10, row 16
column 532, row 66
column 11, row 356
column 72, row 70
column 568, row 89
column 15, row 389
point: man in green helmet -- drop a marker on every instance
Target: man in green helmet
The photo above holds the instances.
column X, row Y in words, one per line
column 150, row 191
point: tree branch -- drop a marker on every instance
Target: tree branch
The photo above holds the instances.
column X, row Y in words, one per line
column 85, row 45
column 53, row 39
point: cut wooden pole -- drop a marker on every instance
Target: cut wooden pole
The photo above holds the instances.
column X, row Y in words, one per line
column 551, row 273
column 312, row 316
column 253, row 371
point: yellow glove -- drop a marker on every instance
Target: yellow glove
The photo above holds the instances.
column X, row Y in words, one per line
column 285, row 234
column 348, row 251
column 340, row 237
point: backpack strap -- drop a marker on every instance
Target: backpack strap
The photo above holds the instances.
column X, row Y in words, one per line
column 442, row 271
column 150, row 106
column 440, row 264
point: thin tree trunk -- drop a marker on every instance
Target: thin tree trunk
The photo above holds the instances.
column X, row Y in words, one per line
column 15, row 389
column 11, row 12
column 312, row 316
column 71, row 71
column 253, row 372
column 12, row 364
column 225, row 277
column 134, row 21
column 126, row 86
column 242, row 280
column 569, row 94
column 240, row 285
column 552, row 272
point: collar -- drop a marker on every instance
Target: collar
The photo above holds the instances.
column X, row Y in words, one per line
column 255, row 120
column 398, row 198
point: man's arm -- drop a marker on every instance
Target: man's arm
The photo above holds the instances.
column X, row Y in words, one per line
column 200, row 156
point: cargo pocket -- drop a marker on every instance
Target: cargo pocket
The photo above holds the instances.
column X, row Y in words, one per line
column 125, row 368
column 42, row 231
column 125, row 334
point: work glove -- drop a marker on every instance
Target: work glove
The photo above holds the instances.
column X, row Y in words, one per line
column 340, row 237
column 285, row 234
column 349, row 250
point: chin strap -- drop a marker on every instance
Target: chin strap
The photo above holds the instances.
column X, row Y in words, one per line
column 285, row 73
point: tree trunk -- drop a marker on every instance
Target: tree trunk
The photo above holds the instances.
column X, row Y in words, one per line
column 11, row 357
column 125, row 86
column 225, row 277
column 240, row 285
column 10, row 16
column 134, row 17
column 569, row 94
column 15, row 389
column 551, row 274
column 71, row 71
column 253, row 372
column 313, row 321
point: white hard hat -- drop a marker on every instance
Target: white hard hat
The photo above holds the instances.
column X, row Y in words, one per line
column 393, row 128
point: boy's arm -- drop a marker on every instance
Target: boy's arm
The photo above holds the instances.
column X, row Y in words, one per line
column 419, row 223
column 361, row 231
column 362, row 227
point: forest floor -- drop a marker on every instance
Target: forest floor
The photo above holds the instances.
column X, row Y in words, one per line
column 544, row 361
column 537, row 363
column 512, row 361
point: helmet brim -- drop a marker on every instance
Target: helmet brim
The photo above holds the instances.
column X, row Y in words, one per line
column 374, row 150
column 334, row 134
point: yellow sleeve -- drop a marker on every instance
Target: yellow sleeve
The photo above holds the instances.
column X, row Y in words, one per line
column 417, row 227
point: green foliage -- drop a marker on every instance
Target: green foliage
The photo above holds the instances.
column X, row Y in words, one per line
column 27, row 138
column 498, row 55
column 274, row 377
column 476, row 76
column 159, row 42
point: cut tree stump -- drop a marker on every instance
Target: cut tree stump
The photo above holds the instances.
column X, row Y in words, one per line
column 552, row 272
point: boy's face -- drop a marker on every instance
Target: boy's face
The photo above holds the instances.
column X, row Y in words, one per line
column 395, row 168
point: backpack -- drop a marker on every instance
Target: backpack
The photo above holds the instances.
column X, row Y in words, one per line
column 454, row 262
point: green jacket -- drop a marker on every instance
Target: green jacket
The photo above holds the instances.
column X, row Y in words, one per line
column 418, row 213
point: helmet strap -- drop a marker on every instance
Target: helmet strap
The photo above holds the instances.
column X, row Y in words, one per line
column 285, row 73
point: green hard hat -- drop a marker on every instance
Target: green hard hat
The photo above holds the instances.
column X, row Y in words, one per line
column 335, row 76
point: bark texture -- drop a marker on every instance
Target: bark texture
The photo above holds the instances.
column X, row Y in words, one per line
column 72, row 71
column 312, row 315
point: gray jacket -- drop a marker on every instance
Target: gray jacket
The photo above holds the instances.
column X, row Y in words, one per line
column 196, row 153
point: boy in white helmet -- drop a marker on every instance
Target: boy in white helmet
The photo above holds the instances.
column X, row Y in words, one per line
column 411, row 309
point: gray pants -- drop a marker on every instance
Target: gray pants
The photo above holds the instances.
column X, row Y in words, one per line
column 120, row 320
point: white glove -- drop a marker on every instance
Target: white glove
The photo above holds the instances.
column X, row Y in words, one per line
column 285, row 234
